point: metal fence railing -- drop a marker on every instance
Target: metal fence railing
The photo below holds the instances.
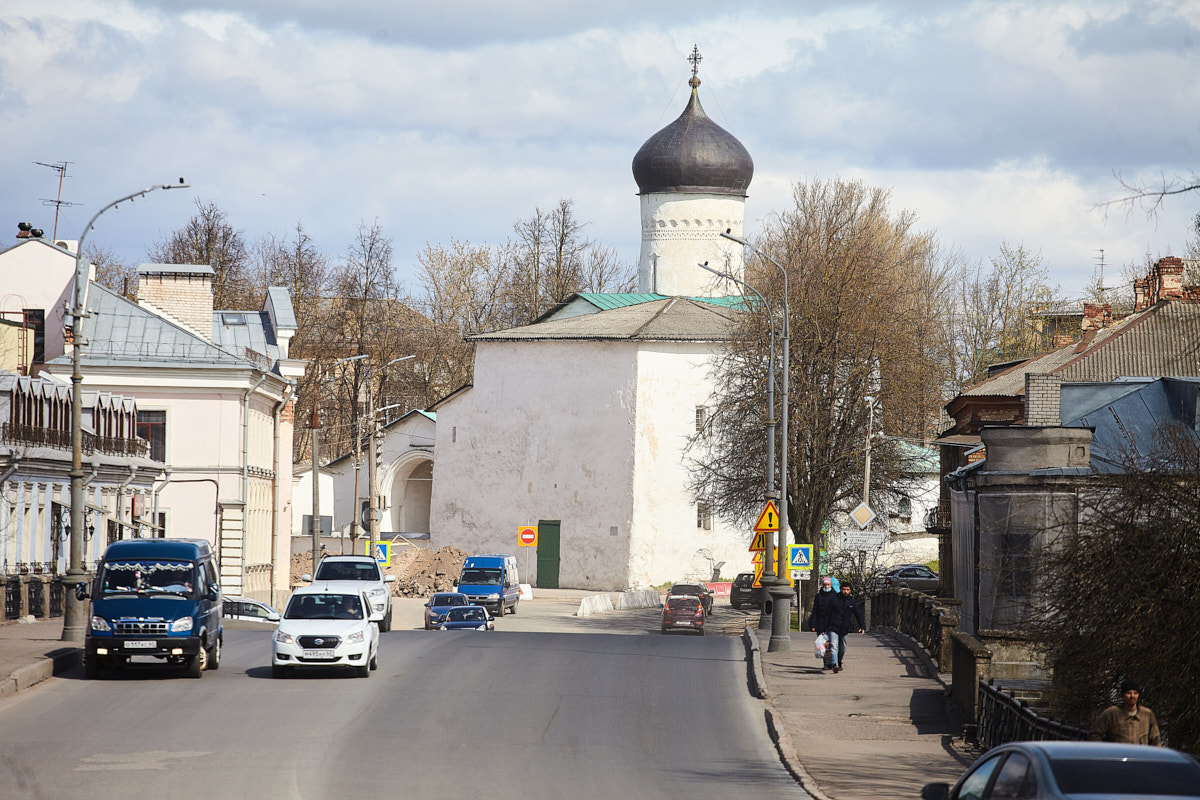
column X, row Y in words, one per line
column 1001, row 718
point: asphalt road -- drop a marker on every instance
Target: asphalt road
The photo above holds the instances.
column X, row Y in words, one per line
column 548, row 706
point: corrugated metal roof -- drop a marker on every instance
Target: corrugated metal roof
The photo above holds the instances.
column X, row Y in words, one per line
column 281, row 300
column 668, row 319
column 1163, row 340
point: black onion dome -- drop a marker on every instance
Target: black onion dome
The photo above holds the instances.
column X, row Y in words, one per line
column 693, row 154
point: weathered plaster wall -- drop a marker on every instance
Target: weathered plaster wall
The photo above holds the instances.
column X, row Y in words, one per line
column 680, row 231
column 546, row 432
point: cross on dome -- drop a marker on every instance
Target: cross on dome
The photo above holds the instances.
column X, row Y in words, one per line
column 695, row 58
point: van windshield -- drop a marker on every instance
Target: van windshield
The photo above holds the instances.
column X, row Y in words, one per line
column 148, row 577
column 477, row 576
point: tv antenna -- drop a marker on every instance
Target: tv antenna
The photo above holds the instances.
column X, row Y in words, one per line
column 1100, row 264
column 61, row 168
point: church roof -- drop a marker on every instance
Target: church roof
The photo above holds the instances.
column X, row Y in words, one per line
column 667, row 319
column 693, row 155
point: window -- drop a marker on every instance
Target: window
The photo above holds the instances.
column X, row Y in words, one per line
column 233, row 319
column 704, row 516
column 904, row 508
column 701, row 418
column 1015, row 779
column 152, row 426
column 35, row 318
column 1016, row 564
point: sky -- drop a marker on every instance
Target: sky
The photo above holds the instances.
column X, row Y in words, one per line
column 993, row 121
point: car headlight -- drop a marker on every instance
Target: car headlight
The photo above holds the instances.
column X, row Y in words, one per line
column 380, row 592
column 284, row 638
column 494, row 595
column 355, row 638
column 181, row 625
column 100, row 625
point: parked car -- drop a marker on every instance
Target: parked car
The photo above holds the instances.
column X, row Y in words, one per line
column 244, row 608
column 911, row 576
column 359, row 573
column 1045, row 770
column 743, row 592
column 467, row 618
column 439, row 604
column 683, row 612
column 693, row 590
column 325, row 625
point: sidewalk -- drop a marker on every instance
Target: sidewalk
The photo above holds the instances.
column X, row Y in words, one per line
column 32, row 652
column 879, row 729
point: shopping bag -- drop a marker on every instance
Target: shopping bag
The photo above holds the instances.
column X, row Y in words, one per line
column 820, row 646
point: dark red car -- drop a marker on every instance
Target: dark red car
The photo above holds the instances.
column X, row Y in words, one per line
column 683, row 613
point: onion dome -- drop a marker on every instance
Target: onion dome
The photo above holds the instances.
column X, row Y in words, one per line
column 695, row 155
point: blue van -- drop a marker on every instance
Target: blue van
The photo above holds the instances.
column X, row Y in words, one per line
column 154, row 597
column 491, row 581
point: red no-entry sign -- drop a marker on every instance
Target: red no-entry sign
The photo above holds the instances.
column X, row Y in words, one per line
column 527, row 536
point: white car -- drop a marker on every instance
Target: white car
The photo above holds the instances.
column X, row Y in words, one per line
column 359, row 574
column 326, row 626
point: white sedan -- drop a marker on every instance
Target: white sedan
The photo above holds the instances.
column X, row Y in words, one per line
column 323, row 627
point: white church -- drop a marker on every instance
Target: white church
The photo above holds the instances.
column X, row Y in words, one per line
column 578, row 422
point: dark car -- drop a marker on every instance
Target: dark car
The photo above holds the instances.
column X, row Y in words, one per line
column 1053, row 770
column 439, row 604
column 911, row 576
column 683, row 613
column 697, row 590
column 743, row 592
column 467, row 618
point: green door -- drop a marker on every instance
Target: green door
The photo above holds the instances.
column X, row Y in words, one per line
column 547, row 553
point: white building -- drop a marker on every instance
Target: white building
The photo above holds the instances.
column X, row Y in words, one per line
column 578, row 423
column 214, row 393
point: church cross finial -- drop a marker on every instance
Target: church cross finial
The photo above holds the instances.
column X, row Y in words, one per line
column 695, row 58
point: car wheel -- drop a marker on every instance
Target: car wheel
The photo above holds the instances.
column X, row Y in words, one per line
column 278, row 671
column 214, row 655
column 91, row 666
column 197, row 664
column 374, row 661
column 386, row 625
column 363, row 671
column 500, row 609
column 428, row 627
column 513, row 610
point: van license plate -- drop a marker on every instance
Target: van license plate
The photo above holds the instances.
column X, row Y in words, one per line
column 318, row 654
column 141, row 644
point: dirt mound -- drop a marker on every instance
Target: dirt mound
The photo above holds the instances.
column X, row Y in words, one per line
column 419, row 572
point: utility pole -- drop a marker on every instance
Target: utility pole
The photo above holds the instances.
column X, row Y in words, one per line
column 372, row 474
column 314, row 525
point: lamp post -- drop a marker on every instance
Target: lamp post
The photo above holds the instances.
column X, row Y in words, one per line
column 769, row 578
column 784, row 641
column 373, row 509
column 314, row 523
column 74, row 624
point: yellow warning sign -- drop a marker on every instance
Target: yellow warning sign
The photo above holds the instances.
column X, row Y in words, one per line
column 768, row 520
column 759, row 542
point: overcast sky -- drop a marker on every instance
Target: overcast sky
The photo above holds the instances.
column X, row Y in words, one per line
column 992, row 120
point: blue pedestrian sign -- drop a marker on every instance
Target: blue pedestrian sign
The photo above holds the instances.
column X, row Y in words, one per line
column 383, row 552
column 800, row 556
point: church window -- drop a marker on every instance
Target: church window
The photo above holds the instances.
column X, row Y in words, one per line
column 704, row 516
column 701, row 418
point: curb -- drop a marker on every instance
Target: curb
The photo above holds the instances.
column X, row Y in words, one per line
column 758, row 681
column 58, row 662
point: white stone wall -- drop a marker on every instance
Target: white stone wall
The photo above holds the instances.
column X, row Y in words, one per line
column 673, row 380
column 546, row 432
column 680, row 231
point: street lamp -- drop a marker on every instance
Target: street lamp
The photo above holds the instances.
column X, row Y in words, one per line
column 74, row 626
column 769, row 577
column 314, row 526
column 785, row 638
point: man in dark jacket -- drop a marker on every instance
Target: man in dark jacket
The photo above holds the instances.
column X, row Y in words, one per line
column 851, row 619
column 826, row 617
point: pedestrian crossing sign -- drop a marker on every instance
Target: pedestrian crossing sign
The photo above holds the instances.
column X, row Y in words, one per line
column 383, row 552
column 800, row 556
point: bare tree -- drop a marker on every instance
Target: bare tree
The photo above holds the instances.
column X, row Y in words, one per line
column 864, row 351
column 111, row 273
column 208, row 238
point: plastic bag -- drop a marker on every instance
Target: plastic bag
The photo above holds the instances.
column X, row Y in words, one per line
column 820, row 646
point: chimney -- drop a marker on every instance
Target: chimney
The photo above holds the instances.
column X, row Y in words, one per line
column 1043, row 396
column 1170, row 277
column 25, row 230
column 1093, row 317
column 183, row 292
column 1139, row 294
